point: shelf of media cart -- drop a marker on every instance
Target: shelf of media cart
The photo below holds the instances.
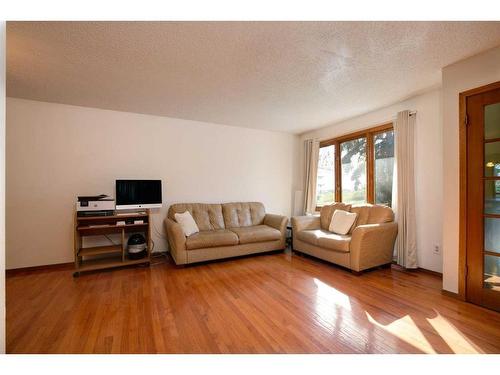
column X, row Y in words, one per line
column 110, row 256
column 100, row 250
column 90, row 230
column 114, row 217
column 110, row 262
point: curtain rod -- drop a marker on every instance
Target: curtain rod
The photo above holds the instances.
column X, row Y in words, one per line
column 412, row 113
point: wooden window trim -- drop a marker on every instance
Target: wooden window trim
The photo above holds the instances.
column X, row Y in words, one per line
column 369, row 134
column 349, row 137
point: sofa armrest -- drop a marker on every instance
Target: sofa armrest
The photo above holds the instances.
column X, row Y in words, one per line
column 177, row 241
column 300, row 223
column 277, row 222
column 372, row 245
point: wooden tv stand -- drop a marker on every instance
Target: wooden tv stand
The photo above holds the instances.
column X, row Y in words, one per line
column 111, row 256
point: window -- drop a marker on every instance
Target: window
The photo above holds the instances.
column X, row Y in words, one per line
column 353, row 154
column 326, row 176
column 357, row 168
column 383, row 148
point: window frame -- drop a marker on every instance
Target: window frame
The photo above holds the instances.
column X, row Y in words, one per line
column 369, row 134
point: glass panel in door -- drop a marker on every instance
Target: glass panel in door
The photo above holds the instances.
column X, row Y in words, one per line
column 492, row 272
column 492, row 159
column 491, row 253
column 492, row 197
column 492, row 235
column 492, row 121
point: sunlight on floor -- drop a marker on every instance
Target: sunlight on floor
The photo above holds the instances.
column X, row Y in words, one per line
column 329, row 305
column 406, row 330
column 329, row 297
column 452, row 336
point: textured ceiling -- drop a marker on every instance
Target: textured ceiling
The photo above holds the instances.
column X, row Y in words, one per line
column 284, row 76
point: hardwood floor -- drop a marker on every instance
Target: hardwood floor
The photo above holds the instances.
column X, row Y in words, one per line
column 275, row 303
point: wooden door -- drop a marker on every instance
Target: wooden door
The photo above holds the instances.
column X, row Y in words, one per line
column 483, row 199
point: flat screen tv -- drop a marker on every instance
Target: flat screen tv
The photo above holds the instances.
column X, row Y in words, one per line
column 131, row 194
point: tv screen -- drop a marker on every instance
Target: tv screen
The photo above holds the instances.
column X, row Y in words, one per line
column 138, row 194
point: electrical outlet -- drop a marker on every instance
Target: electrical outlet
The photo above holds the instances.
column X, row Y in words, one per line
column 436, row 249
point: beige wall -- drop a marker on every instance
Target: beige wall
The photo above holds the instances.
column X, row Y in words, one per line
column 56, row 152
column 467, row 74
column 428, row 165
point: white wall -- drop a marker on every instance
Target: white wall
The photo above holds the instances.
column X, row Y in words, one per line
column 428, row 165
column 56, row 152
column 467, row 74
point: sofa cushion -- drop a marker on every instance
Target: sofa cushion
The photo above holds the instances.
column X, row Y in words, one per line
column 257, row 233
column 337, row 242
column 363, row 212
column 326, row 213
column 380, row 214
column 206, row 216
column 211, row 238
column 373, row 214
column 325, row 239
column 243, row 214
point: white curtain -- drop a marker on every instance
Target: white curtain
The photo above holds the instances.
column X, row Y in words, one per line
column 311, row 156
column 403, row 191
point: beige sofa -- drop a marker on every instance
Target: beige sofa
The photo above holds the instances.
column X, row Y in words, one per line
column 369, row 244
column 226, row 230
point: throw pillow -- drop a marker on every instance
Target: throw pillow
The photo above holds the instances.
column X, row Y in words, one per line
column 187, row 223
column 328, row 210
column 342, row 221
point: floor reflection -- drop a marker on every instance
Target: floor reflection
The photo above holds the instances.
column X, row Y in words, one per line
column 329, row 304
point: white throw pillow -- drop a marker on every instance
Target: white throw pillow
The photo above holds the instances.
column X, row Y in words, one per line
column 342, row 221
column 187, row 223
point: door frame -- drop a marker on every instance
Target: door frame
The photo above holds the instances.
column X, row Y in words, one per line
column 462, row 125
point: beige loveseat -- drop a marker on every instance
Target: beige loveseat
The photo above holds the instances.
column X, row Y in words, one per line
column 226, row 230
column 369, row 243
